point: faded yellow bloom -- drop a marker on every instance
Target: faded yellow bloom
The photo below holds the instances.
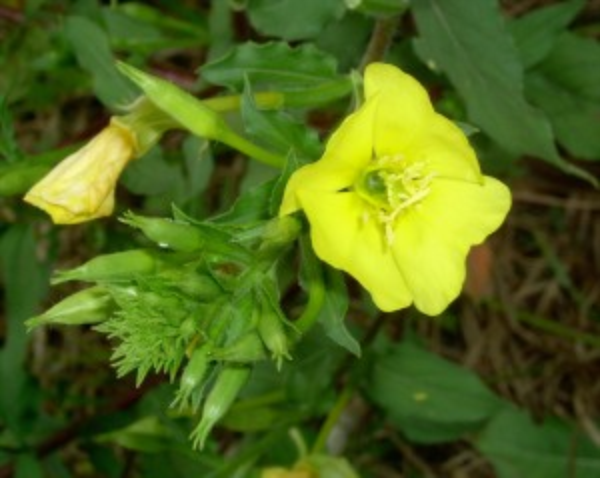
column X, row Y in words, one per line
column 82, row 186
column 398, row 198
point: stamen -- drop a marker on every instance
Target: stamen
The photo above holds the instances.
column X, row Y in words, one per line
column 391, row 186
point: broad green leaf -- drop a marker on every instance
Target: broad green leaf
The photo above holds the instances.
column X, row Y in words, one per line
column 25, row 281
column 536, row 32
column 147, row 434
column 473, row 47
column 430, row 399
column 151, row 174
column 520, row 448
column 28, row 466
column 576, row 120
column 91, row 46
column 291, row 19
column 271, row 66
column 574, row 63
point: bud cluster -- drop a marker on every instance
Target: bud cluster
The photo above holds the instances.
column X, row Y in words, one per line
column 196, row 304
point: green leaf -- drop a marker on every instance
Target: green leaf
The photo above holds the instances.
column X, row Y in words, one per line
column 25, row 282
column 565, row 86
column 473, row 47
column 574, row 118
column 147, row 434
column 293, row 20
column 272, row 66
column 535, row 33
column 277, row 130
column 430, row 399
column 520, row 448
column 91, row 46
column 574, row 63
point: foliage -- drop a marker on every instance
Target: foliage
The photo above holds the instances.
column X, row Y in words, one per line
column 197, row 331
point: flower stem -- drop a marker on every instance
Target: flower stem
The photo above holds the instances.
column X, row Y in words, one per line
column 316, row 297
column 332, row 418
column 240, row 143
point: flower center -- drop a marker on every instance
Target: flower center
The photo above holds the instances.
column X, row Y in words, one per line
column 391, row 185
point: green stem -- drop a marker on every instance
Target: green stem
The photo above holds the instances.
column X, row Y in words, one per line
column 316, row 298
column 240, row 143
column 332, row 418
column 273, row 100
column 269, row 100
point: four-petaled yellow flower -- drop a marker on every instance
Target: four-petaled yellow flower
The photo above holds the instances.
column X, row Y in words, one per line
column 82, row 186
column 398, row 198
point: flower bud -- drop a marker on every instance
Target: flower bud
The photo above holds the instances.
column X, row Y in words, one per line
column 175, row 235
column 186, row 109
column 229, row 383
column 248, row 348
column 88, row 306
column 270, row 329
column 117, row 266
column 191, row 384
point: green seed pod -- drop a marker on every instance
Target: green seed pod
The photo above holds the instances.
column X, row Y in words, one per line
column 191, row 384
column 88, row 306
column 248, row 348
column 230, row 381
column 270, row 329
column 118, row 266
column 165, row 232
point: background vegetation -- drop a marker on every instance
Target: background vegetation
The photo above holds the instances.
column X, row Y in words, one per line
column 503, row 384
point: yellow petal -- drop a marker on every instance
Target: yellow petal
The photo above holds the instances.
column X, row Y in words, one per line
column 432, row 239
column 348, row 240
column 348, row 151
column 446, row 152
column 82, row 186
column 404, row 108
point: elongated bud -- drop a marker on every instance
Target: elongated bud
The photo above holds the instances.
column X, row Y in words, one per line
column 278, row 234
column 191, row 384
column 113, row 267
column 248, row 348
column 183, row 107
column 229, row 383
column 197, row 285
column 88, row 306
column 270, row 329
column 165, row 232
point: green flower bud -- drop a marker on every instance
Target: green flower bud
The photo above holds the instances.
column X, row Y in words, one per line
column 194, row 284
column 270, row 329
column 165, row 232
column 248, row 348
column 191, row 384
column 186, row 109
column 118, row 266
column 278, row 234
column 230, row 381
column 88, row 306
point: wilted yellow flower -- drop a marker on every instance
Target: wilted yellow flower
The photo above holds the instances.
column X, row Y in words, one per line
column 398, row 198
column 82, row 186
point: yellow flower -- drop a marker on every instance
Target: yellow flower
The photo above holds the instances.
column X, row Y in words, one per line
column 398, row 198
column 82, row 186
